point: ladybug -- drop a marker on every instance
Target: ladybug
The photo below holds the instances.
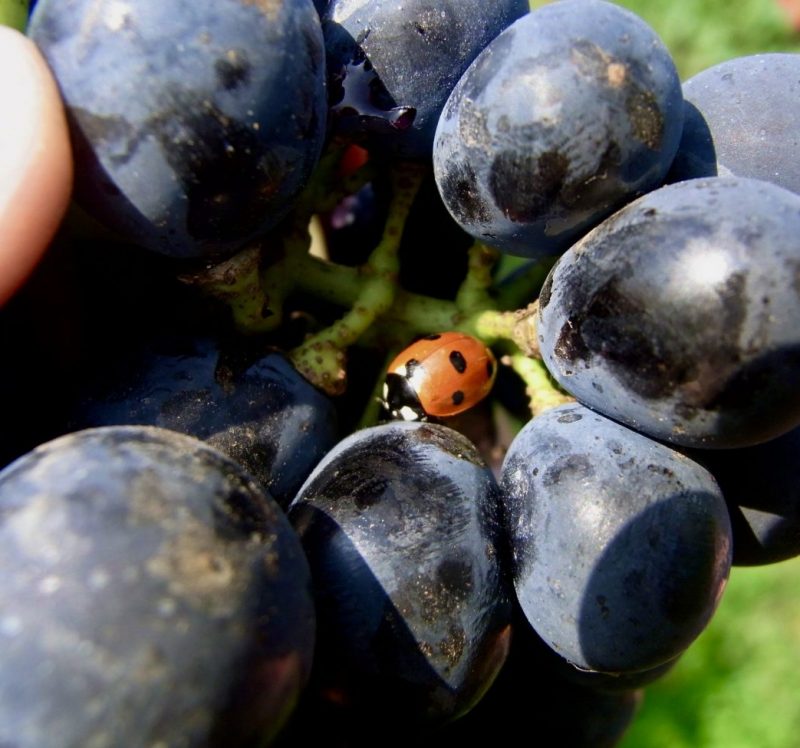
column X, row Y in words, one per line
column 437, row 376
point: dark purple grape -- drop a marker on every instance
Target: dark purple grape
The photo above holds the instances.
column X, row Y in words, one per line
column 152, row 595
column 399, row 525
column 569, row 113
column 394, row 63
column 621, row 546
column 539, row 657
column 436, row 273
column 195, row 125
column 531, row 697
column 81, row 319
column 355, row 226
column 680, row 315
column 257, row 410
column 742, row 118
column 761, row 485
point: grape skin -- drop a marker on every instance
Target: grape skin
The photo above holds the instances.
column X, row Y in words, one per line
column 399, row 523
column 761, row 485
column 418, row 49
column 621, row 546
column 261, row 413
column 680, row 315
column 742, row 118
column 152, row 594
column 570, row 112
column 185, row 139
column 530, row 691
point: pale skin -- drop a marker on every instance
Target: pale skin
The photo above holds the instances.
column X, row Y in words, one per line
column 792, row 10
column 36, row 168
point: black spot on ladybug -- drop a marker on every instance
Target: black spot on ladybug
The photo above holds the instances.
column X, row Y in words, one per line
column 458, row 397
column 458, row 361
column 411, row 364
column 433, row 336
column 490, row 369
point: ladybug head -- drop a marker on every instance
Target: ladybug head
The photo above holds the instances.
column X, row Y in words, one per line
column 400, row 401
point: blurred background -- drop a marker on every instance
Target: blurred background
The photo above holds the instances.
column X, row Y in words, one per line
column 738, row 685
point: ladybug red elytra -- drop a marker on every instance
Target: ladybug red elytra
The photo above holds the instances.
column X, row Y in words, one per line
column 437, row 376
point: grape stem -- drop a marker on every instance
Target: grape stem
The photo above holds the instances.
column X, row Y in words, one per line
column 518, row 327
column 542, row 392
column 256, row 284
column 321, row 357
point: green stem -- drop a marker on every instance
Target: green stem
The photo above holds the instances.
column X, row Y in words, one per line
column 542, row 392
column 321, row 358
column 236, row 282
column 517, row 327
column 14, row 13
column 474, row 291
column 493, row 325
column 425, row 314
column 279, row 279
column 336, row 284
column 475, row 311
column 328, row 187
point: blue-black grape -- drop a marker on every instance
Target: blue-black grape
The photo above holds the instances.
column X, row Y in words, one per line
column 88, row 309
column 354, row 227
column 570, row 112
column 195, row 125
column 394, row 62
column 257, row 410
column 440, row 273
column 742, row 118
column 530, row 694
column 761, row 485
column 551, row 666
column 399, row 523
column 621, row 546
column 152, row 595
column 680, row 314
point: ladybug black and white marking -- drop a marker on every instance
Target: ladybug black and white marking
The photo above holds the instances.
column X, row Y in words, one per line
column 438, row 376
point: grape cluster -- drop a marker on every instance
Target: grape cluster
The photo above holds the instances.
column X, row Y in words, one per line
column 215, row 533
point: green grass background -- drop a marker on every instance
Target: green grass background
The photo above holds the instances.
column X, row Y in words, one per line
column 738, row 685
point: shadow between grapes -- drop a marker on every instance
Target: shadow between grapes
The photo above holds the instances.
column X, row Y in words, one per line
column 761, row 400
column 697, row 155
column 761, row 485
column 538, row 693
column 654, row 587
column 371, row 670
